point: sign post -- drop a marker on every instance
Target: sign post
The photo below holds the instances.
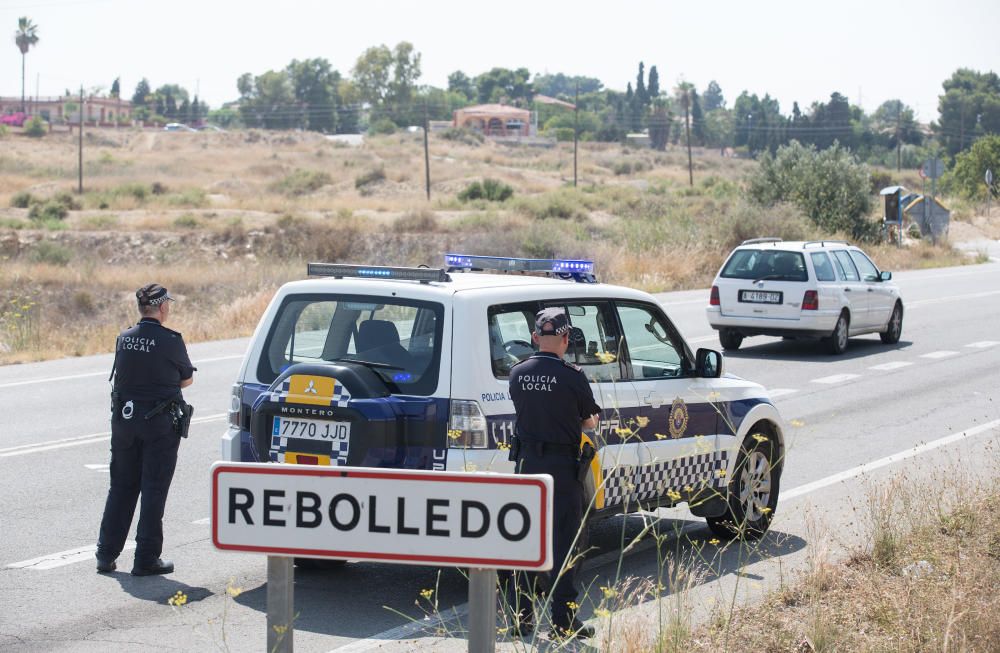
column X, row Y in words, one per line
column 482, row 521
column 989, row 190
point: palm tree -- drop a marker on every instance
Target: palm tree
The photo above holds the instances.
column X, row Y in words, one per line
column 25, row 37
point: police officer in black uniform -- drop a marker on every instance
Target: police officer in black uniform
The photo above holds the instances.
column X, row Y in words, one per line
column 151, row 366
column 554, row 403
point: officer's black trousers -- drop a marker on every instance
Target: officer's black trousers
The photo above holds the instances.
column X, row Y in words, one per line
column 143, row 464
column 567, row 519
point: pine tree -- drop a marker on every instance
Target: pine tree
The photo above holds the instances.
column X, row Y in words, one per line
column 142, row 91
column 697, row 119
column 654, row 83
column 115, row 88
column 640, row 86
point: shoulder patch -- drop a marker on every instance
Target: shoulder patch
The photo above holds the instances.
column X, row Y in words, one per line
column 572, row 366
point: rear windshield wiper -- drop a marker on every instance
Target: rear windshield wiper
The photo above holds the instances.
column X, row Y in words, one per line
column 371, row 364
column 769, row 276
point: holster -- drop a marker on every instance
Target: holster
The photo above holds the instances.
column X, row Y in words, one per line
column 182, row 412
column 515, row 449
column 587, row 453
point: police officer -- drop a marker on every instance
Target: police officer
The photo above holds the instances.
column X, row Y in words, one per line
column 553, row 402
column 151, row 366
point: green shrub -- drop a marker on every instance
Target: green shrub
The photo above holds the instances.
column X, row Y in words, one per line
column 301, row 182
column 157, row 188
column 563, row 205
column 382, row 126
column 422, row 221
column 561, row 134
column 879, row 180
column 51, row 210
column 828, row 186
column 67, row 199
column 186, row 221
column 21, row 200
column 134, row 189
column 35, row 128
column 463, row 135
column 50, row 252
column 967, row 178
column 369, row 177
column 191, row 197
column 490, row 190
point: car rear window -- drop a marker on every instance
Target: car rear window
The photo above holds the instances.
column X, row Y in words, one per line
column 759, row 264
column 399, row 339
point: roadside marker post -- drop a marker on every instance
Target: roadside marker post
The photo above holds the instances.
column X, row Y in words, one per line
column 480, row 521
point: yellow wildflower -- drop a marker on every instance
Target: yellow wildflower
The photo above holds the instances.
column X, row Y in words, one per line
column 759, row 437
column 606, row 357
column 643, row 422
column 674, row 495
column 660, row 436
column 281, row 630
column 234, row 591
column 572, row 605
column 714, row 541
column 602, row 612
column 797, row 422
column 427, row 594
column 503, row 446
column 765, row 510
column 609, row 592
column 623, row 432
column 720, row 473
column 688, row 488
column 178, row 599
column 454, row 434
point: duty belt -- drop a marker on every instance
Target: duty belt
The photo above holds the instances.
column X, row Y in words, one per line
column 550, row 448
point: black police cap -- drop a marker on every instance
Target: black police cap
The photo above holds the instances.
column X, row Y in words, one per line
column 152, row 295
column 551, row 322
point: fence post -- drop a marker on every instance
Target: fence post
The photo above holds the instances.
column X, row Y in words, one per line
column 482, row 610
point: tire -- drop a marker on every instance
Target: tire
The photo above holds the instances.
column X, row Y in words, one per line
column 752, row 491
column 319, row 564
column 730, row 340
column 836, row 343
column 895, row 327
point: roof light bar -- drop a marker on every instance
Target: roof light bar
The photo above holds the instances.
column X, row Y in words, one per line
column 340, row 270
column 581, row 270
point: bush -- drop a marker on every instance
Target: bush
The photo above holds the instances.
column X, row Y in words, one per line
column 879, row 180
column 490, row 190
column 67, row 199
column 382, row 126
column 301, row 182
column 828, row 186
column 563, row 205
column 369, row 177
column 35, row 128
column 21, row 200
column 51, row 210
column 422, row 221
column 186, row 221
column 52, row 253
column 463, row 135
column 967, row 178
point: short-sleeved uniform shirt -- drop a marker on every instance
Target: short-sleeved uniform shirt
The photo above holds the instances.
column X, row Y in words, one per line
column 150, row 362
column 551, row 398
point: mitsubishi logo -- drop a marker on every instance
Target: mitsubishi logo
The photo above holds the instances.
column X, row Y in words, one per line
column 311, row 389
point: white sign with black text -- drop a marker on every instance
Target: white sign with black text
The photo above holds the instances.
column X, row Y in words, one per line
column 499, row 521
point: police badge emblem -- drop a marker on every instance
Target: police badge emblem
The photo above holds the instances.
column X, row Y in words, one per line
column 678, row 418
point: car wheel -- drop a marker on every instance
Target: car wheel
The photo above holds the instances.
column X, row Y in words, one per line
column 836, row 343
column 730, row 340
column 753, row 490
column 319, row 564
column 895, row 328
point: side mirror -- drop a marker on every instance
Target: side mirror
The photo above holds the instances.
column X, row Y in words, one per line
column 885, row 276
column 709, row 364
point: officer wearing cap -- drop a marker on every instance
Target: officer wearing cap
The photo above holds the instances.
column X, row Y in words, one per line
column 554, row 403
column 151, row 366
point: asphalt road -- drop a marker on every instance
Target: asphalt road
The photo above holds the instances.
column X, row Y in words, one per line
column 874, row 404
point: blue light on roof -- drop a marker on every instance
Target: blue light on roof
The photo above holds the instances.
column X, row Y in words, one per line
column 402, row 377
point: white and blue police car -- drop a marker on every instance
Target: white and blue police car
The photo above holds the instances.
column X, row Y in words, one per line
column 409, row 367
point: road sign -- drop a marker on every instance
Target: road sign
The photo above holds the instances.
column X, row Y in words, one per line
column 483, row 520
column 932, row 168
column 989, row 177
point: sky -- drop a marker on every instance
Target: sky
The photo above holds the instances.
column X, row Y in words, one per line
column 869, row 51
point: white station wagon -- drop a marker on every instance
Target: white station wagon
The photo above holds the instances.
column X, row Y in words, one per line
column 817, row 289
column 374, row 366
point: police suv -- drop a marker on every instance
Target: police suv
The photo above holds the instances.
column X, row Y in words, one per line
column 409, row 368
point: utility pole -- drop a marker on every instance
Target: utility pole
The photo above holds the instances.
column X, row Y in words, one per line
column 427, row 154
column 687, row 131
column 899, row 145
column 576, row 127
column 79, row 188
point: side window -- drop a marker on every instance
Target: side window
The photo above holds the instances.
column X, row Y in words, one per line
column 593, row 341
column 845, row 266
column 868, row 270
column 821, row 263
column 510, row 328
column 652, row 351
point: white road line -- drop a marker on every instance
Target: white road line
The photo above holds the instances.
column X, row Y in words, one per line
column 70, row 377
column 944, row 353
column 413, row 628
column 835, row 378
column 780, row 392
column 99, row 467
column 63, row 558
column 888, row 460
column 23, row 449
column 895, row 365
column 940, row 300
column 702, row 338
column 203, row 520
column 983, row 344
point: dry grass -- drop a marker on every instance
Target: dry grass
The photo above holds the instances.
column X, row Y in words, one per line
column 233, row 215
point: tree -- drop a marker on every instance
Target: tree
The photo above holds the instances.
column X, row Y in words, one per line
column 267, row 100
column 969, row 108
column 315, row 86
column 386, row 79
column 116, row 89
column 25, row 37
column 659, row 127
column 142, row 93
column 712, row 97
column 654, row 83
column 697, row 119
column 566, row 85
column 968, row 177
column 505, row 85
column 459, row 82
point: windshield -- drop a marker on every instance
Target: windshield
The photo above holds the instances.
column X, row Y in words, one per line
column 765, row 264
column 401, row 339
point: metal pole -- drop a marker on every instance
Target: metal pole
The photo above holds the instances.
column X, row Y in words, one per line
column 576, row 127
column 79, row 187
column 427, row 153
column 280, row 603
column 687, row 130
column 482, row 610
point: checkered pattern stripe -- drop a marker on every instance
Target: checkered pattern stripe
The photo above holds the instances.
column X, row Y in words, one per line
column 279, row 446
column 341, row 397
column 638, row 483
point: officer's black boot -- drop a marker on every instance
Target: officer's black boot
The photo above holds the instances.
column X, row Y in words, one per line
column 155, row 568
column 105, row 566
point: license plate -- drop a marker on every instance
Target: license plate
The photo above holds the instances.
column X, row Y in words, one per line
column 337, row 433
column 760, row 297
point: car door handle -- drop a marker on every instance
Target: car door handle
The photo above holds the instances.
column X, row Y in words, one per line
column 847, row 290
column 871, row 290
column 653, row 399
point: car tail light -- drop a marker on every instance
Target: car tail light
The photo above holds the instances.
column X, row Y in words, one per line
column 810, row 301
column 236, row 405
column 466, row 425
column 713, row 299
